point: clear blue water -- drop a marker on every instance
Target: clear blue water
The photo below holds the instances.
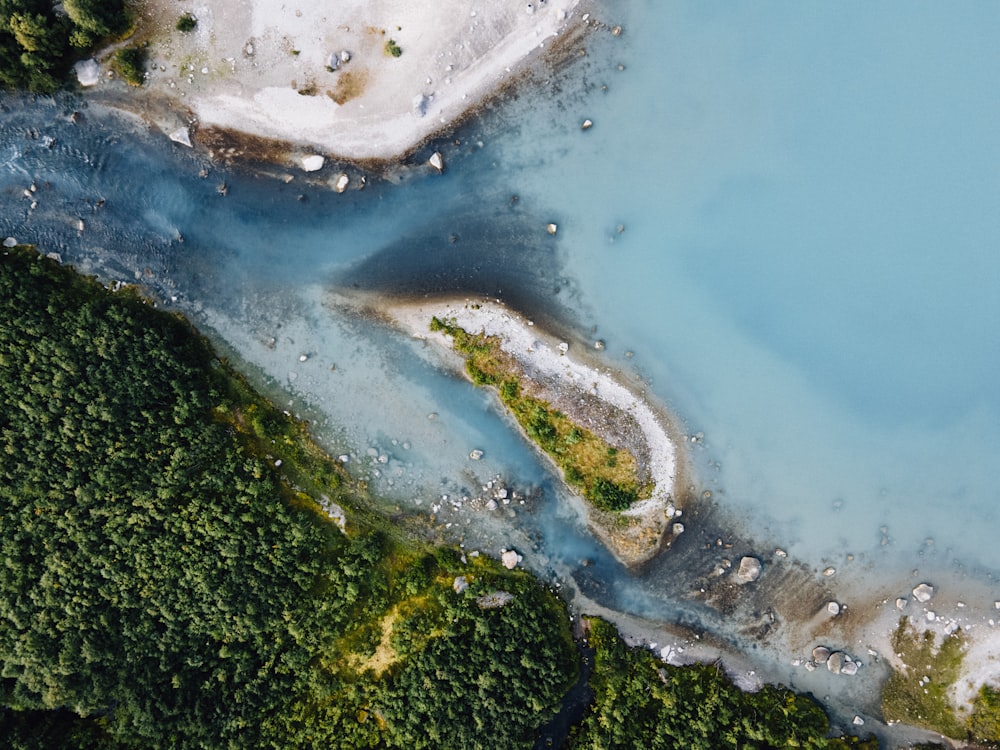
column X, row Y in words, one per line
column 807, row 273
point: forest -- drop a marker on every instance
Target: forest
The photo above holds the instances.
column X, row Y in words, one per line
column 40, row 40
column 166, row 582
column 170, row 578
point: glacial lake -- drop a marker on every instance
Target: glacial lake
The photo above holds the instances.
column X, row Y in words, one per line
column 783, row 223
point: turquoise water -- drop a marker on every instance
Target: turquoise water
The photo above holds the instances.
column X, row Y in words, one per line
column 808, row 272
column 784, row 221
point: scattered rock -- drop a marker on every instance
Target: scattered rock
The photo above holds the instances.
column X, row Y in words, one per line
column 820, row 654
column 312, row 163
column 551, row 228
column 587, row 125
column 858, row 721
column 749, row 570
column 599, row 345
column 923, row 592
column 476, row 454
column 333, row 62
column 677, row 529
column 491, row 505
column 494, row 600
column 12, row 242
column 460, row 584
column 510, row 559
column 901, row 604
column 616, row 30
column 345, row 56
column 88, row 72
column 563, row 347
column 827, row 572
column 835, row 663
column 437, row 161
column 833, row 608
column 341, row 183
column 780, row 553
column 182, row 136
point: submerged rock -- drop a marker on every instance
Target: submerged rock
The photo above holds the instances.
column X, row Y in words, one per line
column 437, row 161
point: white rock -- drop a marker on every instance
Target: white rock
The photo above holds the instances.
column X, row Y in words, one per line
column 587, row 125
column 460, row 584
column 181, row 136
column 901, row 604
column 850, row 667
column 827, row 572
column 551, row 228
column 88, row 72
column 333, row 61
column 510, row 559
column 341, row 183
column 312, row 163
column 677, row 529
column 749, row 570
column 820, row 654
column 563, row 347
column 923, row 592
column 491, row 505
column 476, row 454
column 437, row 161
column 345, row 56
column 833, row 608
column 12, row 242
column 858, row 721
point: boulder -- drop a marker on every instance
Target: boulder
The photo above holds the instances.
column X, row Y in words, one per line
column 849, row 667
column 476, row 454
column 833, row 608
column 749, row 570
column 341, row 183
column 923, row 592
column 312, row 163
column 10, row 242
column 181, row 136
column 88, row 72
column 437, row 161
column 510, row 559
column 551, row 228
column 836, row 662
column 821, row 654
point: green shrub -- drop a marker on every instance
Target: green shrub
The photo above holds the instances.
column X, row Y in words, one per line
column 187, row 22
column 392, row 49
column 131, row 63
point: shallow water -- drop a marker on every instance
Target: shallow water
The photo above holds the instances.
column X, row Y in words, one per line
column 786, row 212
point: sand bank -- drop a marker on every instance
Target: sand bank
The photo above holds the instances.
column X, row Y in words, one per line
column 323, row 74
column 589, row 396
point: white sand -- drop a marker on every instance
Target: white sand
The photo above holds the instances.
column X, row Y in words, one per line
column 540, row 354
column 260, row 66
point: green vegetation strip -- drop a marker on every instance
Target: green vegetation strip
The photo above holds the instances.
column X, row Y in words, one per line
column 166, row 584
column 639, row 702
column 606, row 476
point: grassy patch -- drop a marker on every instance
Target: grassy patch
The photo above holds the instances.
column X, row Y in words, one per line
column 130, row 62
column 606, row 476
column 186, row 23
column 985, row 721
column 918, row 693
